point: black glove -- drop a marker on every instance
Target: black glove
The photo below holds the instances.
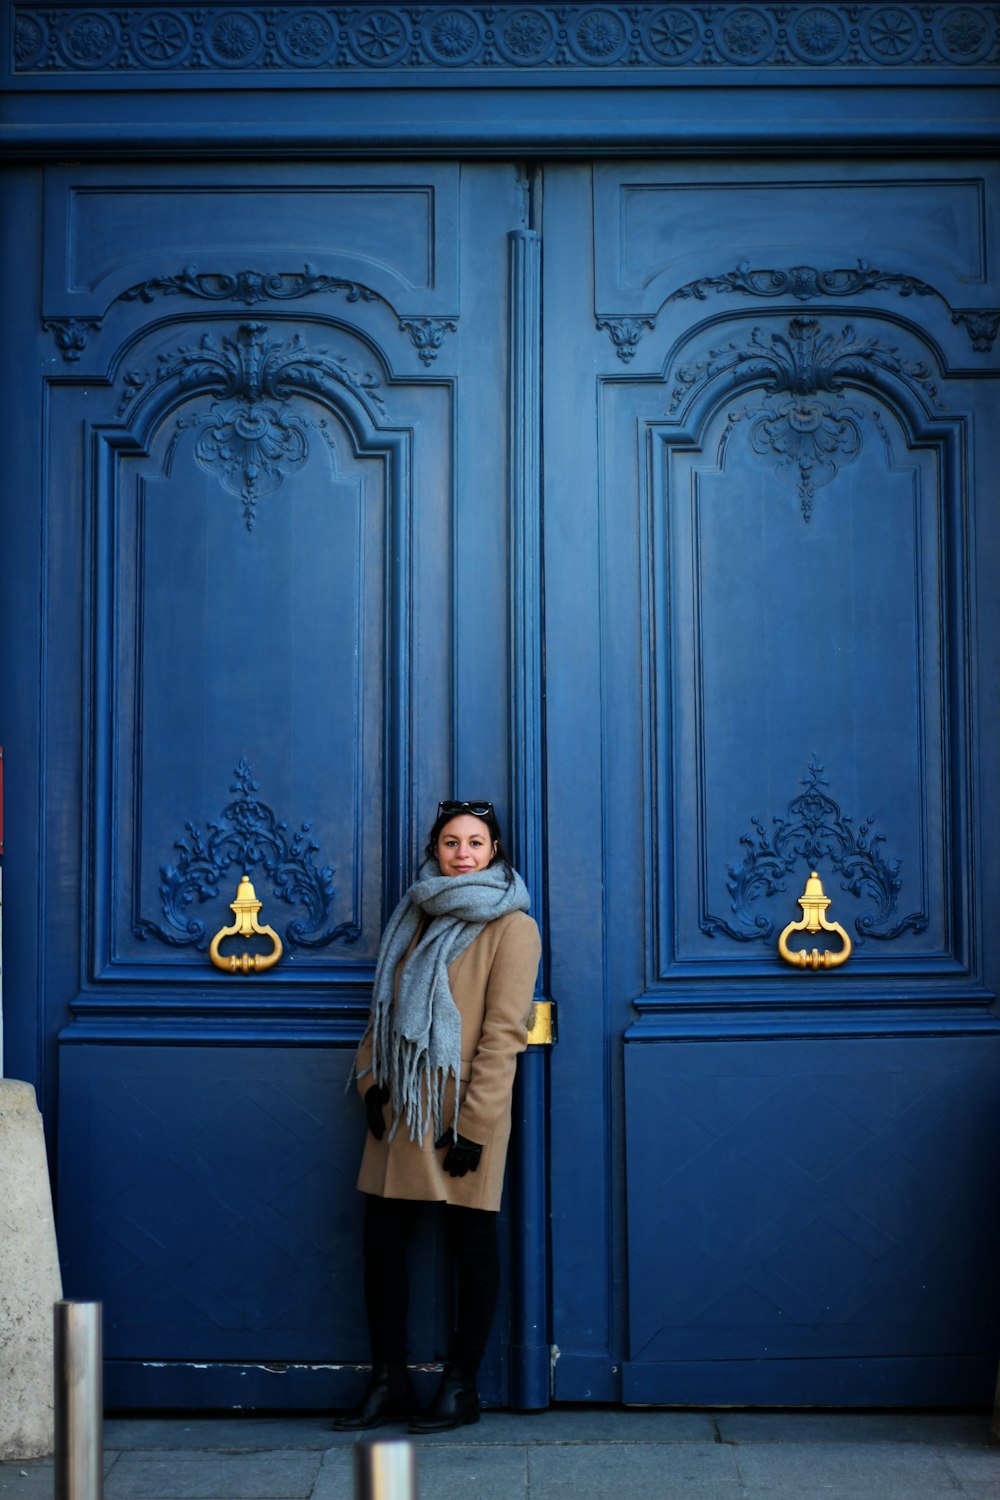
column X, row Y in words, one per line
column 461, row 1156
column 375, row 1100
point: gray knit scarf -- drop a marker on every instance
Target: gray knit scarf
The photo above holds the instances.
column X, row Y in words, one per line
column 417, row 1041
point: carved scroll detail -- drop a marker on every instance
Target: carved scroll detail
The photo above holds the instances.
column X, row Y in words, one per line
column 804, row 428
column 803, row 284
column 251, row 438
column 251, row 287
column 813, row 829
column 246, row 835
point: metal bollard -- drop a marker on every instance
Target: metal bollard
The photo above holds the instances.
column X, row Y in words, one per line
column 79, row 1401
column 385, row 1471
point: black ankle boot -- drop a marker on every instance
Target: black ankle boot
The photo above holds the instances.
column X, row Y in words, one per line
column 389, row 1398
column 455, row 1405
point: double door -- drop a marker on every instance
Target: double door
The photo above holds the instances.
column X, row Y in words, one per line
column 648, row 499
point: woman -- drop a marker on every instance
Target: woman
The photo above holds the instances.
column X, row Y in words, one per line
column 451, row 1001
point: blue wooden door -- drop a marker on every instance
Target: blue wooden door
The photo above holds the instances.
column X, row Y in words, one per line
column 274, row 582
column 275, row 630
column 771, row 650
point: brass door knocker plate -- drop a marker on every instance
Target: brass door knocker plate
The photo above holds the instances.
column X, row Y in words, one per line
column 246, row 906
column 814, row 904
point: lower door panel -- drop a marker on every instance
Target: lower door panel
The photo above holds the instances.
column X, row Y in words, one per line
column 813, row 1222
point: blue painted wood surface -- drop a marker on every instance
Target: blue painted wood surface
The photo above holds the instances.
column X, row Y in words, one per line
column 208, row 1202
column 769, row 550
column 822, row 1205
column 683, row 551
column 298, row 618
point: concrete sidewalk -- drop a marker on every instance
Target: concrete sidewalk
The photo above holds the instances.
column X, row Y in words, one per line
column 575, row 1453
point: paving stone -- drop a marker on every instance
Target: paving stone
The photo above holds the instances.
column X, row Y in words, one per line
column 15, row 1470
column 279, row 1475
column 443, row 1472
column 455, row 1473
column 972, row 1463
column 348, row 1439
column 335, row 1480
column 596, row 1425
column 931, row 1428
column 830, row 1488
column 578, row 1453
column 892, row 1471
column 26, row 1481
column 238, row 1433
column 650, row 1470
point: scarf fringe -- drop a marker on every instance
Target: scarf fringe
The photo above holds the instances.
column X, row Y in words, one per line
column 418, row 1093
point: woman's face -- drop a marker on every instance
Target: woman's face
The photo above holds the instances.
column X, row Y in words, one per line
column 464, row 845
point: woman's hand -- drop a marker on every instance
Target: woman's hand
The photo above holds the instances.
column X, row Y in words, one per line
column 376, row 1099
column 461, row 1156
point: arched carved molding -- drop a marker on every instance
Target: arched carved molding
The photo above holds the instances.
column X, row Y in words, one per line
column 160, row 403
column 246, row 836
column 253, row 432
column 478, row 41
column 814, row 831
column 801, row 284
column 251, row 288
column 808, row 424
column 921, row 447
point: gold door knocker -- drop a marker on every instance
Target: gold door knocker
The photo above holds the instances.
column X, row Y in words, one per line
column 814, row 904
column 246, row 906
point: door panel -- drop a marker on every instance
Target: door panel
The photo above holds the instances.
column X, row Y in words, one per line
column 275, row 632
column 762, row 606
column 827, row 1229
column 278, row 619
column 785, row 737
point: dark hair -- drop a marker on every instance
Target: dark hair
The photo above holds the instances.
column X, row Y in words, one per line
column 492, row 823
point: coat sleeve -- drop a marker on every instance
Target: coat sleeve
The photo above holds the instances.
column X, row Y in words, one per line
column 509, row 992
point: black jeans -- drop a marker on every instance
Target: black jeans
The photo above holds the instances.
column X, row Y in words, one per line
column 472, row 1241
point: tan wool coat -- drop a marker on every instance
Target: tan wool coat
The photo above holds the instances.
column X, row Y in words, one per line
column 492, row 984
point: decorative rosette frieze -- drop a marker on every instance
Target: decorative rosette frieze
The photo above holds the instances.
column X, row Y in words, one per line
column 482, row 40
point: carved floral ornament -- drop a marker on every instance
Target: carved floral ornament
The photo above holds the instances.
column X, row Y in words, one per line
column 252, row 287
column 249, row 287
column 246, row 836
column 251, row 437
column 287, row 37
column 805, row 427
column 802, row 284
column 814, row 831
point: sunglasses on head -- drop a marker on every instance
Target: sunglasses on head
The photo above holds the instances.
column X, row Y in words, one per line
column 477, row 809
